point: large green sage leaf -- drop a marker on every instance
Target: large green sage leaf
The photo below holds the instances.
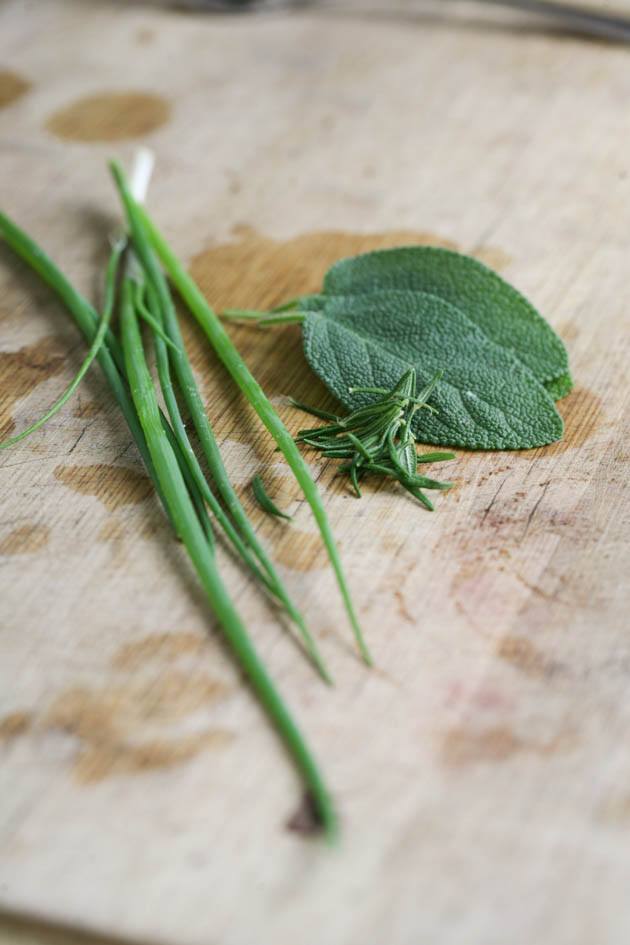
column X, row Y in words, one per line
column 502, row 313
column 486, row 399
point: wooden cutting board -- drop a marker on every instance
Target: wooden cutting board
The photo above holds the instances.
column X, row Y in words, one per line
column 482, row 770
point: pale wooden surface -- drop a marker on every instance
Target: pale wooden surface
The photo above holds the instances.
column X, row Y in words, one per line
column 483, row 770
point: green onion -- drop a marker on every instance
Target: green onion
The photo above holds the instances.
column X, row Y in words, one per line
column 183, row 515
column 99, row 338
column 140, row 222
column 161, row 453
column 85, row 317
column 163, row 312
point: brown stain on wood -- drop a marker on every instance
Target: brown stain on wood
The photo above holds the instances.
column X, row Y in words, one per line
column 144, row 36
column 23, row 370
column 492, row 256
column 583, row 414
column 527, row 658
column 110, row 724
column 14, row 725
column 462, row 746
column 257, row 271
column 12, row 87
column 112, row 530
column 110, row 116
column 24, row 540
column 403, row 610
column 301, row 551
column 260, row 272
column 111, row 757
column 114, row 486
column 162, row 647
column 615, row 810
column 86, row 409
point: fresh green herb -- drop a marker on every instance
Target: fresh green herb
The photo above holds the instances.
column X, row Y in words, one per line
column 127, row 373
column 183, row 514
column 382, row 313
column 109, row 355
column 486, row 398
column 260, row 494
column 235, row 365
column 492, row 304
column 95, row 347
column 161, row 311
column 379, row 438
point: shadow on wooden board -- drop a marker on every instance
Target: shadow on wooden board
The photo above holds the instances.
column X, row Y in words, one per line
column 16, row 929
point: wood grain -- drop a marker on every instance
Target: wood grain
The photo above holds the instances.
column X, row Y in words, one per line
column 482, row 770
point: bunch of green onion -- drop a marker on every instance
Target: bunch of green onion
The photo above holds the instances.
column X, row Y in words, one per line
column 196, row 502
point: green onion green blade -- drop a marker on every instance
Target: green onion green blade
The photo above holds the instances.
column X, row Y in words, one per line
column 140, row 232
column 268, row 506
column 95, row 347
column 189, row 529
column 223, row 346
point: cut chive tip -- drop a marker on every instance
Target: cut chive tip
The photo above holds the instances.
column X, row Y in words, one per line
column 267, row 504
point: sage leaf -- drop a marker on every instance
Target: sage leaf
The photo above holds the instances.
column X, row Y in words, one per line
column 486, row 397
column 502, row 313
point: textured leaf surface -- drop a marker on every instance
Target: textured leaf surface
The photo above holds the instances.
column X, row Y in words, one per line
column 487, row 399
column 502, row 313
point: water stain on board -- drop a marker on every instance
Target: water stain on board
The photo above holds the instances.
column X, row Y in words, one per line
column 492, row 256
column 24, row 540
column 23, row 370
column 521, row 653
column 256, row 271
column 109, row 756
column 615, row 810
column 301, row 551
column 110, row 116
column 462, row 747
column 87, row 409
column 14, row 725
column 12, row 87
column 110, row 724
column 162, row 647
column 114, row 486
column 583, row 414
column 144, row 36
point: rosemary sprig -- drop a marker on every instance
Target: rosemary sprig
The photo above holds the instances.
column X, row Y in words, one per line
column 378, row 438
